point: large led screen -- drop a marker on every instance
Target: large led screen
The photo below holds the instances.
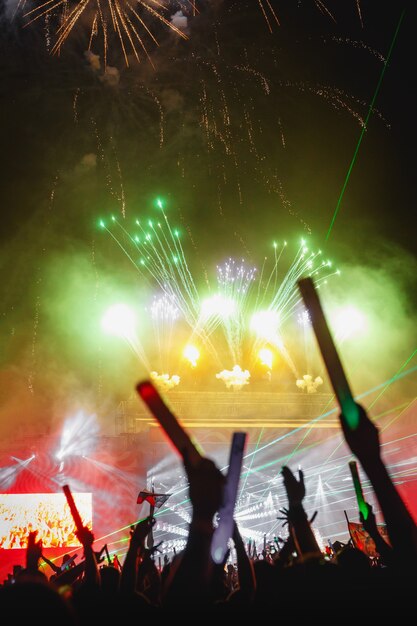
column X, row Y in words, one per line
column 47, row 513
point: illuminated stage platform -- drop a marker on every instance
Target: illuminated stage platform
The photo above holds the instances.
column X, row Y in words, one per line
column 240, row 410
column 296, row 428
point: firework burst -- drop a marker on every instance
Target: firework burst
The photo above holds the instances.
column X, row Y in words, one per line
column 130, row 22
column 251, row 311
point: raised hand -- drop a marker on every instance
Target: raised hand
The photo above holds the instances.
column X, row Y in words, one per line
column 295, row 516
column 193, row 575
column 383, row 548
column 363, row 440
column 369, row 523
column 295, row 488
column 33, row 552
column 402, row 530
column 85, row 537
column 91, row 571
column 206, row 488
column 141, row 531
column 286, row 519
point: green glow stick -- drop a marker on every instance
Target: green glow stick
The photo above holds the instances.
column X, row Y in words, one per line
column 363, row 507
column 348, row 406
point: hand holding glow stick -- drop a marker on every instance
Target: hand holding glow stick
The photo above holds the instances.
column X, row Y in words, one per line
column 362, row 505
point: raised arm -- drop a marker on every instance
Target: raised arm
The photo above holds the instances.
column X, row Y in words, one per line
column 383, row 548
column 55, row 568
column 190, row 582
column 304, row 539
column 246, row 575
column 137, row 540
column 91, row 571
column 364, row 443
column 33, row 554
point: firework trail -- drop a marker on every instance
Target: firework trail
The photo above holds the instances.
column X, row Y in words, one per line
column 224, row 99
column 234, row 285
column 164, row 313
column 156, row 251
column 130, row 22
column 235, row 304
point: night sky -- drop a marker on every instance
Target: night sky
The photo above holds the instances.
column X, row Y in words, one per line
column 248, row 136
column 249, row 132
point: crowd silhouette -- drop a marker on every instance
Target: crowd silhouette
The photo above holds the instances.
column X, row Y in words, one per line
column 297, row 579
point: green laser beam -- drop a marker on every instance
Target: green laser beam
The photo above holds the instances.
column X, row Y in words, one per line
column 394, row 419
column 314, row 445
column 364, row 128
column 406, row 362
column 253, row 457
column 386, row 386
column 167, row 509
column 331, row 411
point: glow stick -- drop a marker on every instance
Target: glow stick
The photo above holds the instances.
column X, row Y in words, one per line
column 348, row 406
column 168, row 421
column 224, row 530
